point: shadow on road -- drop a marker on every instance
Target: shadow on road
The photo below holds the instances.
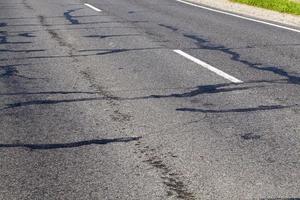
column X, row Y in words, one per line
column 43, row 102
column 237, row 110
column 235, row 56
column 110, row 36
column 195, row 91
column 48, row 92
column 70, row 145
column 71, row 18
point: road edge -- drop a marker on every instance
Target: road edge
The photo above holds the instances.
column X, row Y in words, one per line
column 251, row 12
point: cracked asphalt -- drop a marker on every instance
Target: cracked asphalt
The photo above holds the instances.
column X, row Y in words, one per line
column 97, row 105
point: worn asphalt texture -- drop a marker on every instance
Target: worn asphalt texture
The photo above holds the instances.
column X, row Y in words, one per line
column 96, row 105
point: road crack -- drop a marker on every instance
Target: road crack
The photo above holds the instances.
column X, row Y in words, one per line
column 113, row 101
column 60, row 40
column 170, row 178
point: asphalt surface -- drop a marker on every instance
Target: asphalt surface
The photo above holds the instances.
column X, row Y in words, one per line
column 97, row 105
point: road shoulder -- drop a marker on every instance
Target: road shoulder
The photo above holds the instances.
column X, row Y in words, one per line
column 250, row 11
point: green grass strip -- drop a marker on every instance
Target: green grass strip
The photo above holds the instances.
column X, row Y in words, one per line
column 284, row 6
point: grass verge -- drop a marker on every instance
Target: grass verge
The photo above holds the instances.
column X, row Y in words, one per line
column 284, row 6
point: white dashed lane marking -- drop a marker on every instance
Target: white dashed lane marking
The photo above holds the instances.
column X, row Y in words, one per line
column 209, row 67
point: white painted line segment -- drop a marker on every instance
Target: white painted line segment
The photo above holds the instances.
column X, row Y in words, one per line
column 239, row 16
column 209, row 67
column 93, row 7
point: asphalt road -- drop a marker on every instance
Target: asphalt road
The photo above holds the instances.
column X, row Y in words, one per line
column 98, row 105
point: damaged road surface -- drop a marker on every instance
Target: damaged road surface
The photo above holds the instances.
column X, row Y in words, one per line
column 145, row 100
